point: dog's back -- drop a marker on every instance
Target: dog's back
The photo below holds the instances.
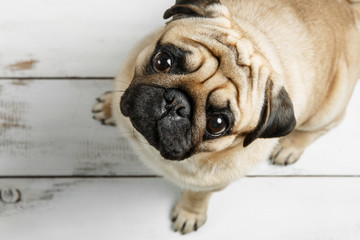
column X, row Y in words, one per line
column 310, row 43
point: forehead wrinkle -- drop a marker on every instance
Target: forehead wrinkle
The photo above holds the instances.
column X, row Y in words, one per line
column 196, row 55
column 211, row 93
column 207, row 36
column 238, row 111
column 210, row 53
column 195, row 47
column 226, row 57
column 237, row 91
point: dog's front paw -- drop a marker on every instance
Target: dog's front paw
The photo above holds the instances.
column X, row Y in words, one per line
column 190, row 212
column 186, row 221
column 102, row 109
column 285, row 155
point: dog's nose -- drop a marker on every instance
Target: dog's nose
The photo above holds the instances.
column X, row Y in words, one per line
column 177, row 103
column 174, row 128
column 162, row 116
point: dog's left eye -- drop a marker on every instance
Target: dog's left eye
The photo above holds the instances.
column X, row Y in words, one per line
column 216, row 125
column 162, row 62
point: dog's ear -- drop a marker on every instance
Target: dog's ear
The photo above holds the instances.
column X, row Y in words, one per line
column 190, row 8
column 277, row 117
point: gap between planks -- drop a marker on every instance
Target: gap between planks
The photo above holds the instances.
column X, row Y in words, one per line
column 154, row 176
column 58, row 78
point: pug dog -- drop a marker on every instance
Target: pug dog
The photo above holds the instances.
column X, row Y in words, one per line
column 225, row 85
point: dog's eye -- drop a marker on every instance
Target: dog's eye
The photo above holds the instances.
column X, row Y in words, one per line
column 216, row 125
column 162, row 62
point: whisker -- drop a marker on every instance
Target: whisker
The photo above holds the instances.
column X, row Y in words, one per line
column 125, row 131
column 147, row 119
column 133, row 132
column 114, row 91
column 122, row 81
column 141, row 139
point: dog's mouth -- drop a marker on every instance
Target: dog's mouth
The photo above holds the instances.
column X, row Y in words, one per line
column 163, row 117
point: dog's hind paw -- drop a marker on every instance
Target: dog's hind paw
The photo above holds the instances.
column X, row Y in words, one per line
column 102, row 109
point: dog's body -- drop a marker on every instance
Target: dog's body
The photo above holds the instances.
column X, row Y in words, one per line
column 263, row 65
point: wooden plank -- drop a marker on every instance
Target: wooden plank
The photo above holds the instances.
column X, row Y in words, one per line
column 252, row 209
column 47, row 129
column 72, row 38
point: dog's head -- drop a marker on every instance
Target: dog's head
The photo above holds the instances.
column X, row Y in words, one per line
column 202, row 84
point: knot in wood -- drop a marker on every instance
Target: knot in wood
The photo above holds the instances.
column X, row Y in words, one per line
column 10, row 195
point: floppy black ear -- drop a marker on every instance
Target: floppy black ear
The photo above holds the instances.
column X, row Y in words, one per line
column 277, row 117
column 193, row 8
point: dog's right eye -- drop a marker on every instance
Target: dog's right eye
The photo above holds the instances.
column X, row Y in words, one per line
column 217, row 125
column 162, row 62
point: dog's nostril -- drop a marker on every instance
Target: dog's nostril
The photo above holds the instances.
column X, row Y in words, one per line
column 181, row 111
column 177, row 102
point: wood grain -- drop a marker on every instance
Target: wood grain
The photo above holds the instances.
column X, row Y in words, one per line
column 251, row 209
column 83, row 38
column 47, row 129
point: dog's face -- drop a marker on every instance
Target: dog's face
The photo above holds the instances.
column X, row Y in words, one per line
column 201, row 85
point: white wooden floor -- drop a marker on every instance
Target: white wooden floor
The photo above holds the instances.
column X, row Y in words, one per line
column 138, row 208
column 64, row 176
